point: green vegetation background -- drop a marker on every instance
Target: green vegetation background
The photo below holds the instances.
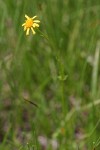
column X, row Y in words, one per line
column 33, row 68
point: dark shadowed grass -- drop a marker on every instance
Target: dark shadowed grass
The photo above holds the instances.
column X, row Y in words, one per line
column 57, row 69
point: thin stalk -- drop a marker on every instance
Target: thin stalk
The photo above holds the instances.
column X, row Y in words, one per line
column 62, row 87
column 63, row 98
column 61, row 70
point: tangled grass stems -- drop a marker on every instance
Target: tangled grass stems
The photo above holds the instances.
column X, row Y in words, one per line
column 74, row 111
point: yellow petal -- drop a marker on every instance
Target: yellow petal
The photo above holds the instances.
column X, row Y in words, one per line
column 23, row 24
column 37, row 21
column 33, row 25
column 24, row 28
column 27, row 17
column 33, row 30
column 27, row 32
column 34, row 17
column 36, row 25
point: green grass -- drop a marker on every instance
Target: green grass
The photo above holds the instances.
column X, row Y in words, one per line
column 58, row 69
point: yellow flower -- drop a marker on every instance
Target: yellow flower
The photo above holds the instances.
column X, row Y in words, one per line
column 30, row 23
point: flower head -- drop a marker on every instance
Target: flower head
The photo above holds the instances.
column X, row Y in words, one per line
column 30, row 23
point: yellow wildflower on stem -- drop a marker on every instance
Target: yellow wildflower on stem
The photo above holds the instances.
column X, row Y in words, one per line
column 30, row 23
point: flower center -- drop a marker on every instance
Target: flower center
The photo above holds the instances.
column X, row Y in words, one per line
column 29, row 23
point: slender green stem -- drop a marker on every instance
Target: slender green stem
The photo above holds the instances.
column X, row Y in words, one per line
column 63, row 89
column 45, row 36
column 63, row 98
column 61, row 71
column 62, row 82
